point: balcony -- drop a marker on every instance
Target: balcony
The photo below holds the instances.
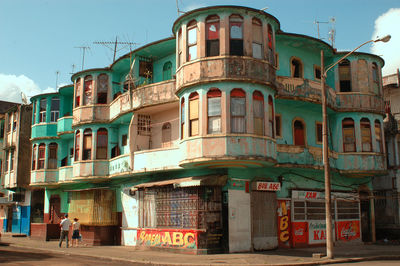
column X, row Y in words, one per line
column 65, row 173
column 44, row 176
column 303, row 89
column 120, row 105
column 362, row 163
column 157, row 159
column 64, row 125
column 44, row 130
column 91, row 113
column 153, row 94
column 225, row 68
column 90, row 169
column 215, row 151
column 359, row 101
column 119, row 165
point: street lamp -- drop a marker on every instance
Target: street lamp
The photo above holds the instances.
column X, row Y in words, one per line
column 328, row 215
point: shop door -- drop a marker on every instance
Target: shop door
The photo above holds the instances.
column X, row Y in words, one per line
column 55, row 210
column 264, row 220
column 9, row 218
column 365, row 217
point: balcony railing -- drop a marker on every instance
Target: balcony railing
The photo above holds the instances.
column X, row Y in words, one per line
column 65, row 173
column 358, row 101
column 121, row 104
column 64, row 125
column 120, row 164
column 152, row 94
column 157, row 159
column 44, row 176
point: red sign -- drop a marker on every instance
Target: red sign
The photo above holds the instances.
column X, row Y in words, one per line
column 299, row 233
column 348, row 230
column 284, row 223
column 167, row 238
column 269, row 186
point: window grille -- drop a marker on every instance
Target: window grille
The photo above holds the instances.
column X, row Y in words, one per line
column 144, row 125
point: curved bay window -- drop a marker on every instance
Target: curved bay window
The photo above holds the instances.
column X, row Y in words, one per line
column 375, row 78
column 366, row 134
column 78, row 92
column 34, row 154
column 42, row 113
column 182, row 118
column 236, row 35
column 298, row 132
column 258, row 113
column 52, row 164
column 349, row 139
column 192, row 40
column 271, row 57
column 214, row 111
column 102, row 88
column 345, row 76
column 42, row 156
column 194, row 114
column 77, row 145
column 166, row 135
column 238, row 111
column 296, row 67
column 212, row 35
column 87, row 144
column 271, row 116
column 102, row 143
column 167, row 71
column 87, row 92
column 257, row 39
column 378, row 136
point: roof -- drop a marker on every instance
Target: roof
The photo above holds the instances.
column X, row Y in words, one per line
column 4, row 106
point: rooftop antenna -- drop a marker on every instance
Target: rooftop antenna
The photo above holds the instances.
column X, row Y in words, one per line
column 264, row 8
column 332, row 32
column 84, row 48
column 319, row 22
column 24, row 98
column 115, row 45
column 73, row 69
column 57, row 74
column 177, row 9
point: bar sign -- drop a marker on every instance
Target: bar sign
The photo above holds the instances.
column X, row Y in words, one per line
column 269, row 186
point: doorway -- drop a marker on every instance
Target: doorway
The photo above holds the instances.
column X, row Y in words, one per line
column 365, row 216
column 55, row 205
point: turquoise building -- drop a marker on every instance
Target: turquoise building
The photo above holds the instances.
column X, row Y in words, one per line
column 211, row 141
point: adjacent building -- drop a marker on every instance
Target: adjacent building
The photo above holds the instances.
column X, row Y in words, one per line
column 211, row 141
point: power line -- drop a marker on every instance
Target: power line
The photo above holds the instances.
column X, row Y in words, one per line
column 115, row 45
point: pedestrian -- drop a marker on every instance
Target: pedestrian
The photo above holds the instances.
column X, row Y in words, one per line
column 75, row 232
column 65, row 224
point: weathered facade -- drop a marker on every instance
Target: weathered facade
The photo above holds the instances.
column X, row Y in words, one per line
column 211, row 140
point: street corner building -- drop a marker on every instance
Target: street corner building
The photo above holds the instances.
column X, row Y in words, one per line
column 211, row 141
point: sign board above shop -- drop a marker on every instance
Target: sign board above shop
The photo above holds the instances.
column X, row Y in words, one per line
column 268, row 186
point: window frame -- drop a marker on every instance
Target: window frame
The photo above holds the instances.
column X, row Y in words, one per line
column 375, row 78
column 41, row 159
column 258, row 97
column 212, row 20
column 102, row 88
column 349, row 121
column 53, row 148
column 77, row 92
column 194, row 119
column 34, row 157
column 303, row 124
column 87, row 152
column 238, row 93
column 77, row 145
column 167, row 70
column 365, row 124
column 345, row 63
column 191, row 26
column 293, row 68
column 42, row 112
column 54, row 114
column 236, row 19
column 319, row 124
column 101, row 148
column 214, row 93
column 257, row 26
column 88, row 90
column 317, row 68
column 166, row 135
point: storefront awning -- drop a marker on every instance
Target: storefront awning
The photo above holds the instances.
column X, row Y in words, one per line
column 194, row 181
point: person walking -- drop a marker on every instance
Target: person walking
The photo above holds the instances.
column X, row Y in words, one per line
column 75, row 232
column 64, row 224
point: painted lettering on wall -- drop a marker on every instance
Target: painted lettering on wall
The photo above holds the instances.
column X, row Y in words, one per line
column 284, row 223
column 168, row 238
column 317, row 232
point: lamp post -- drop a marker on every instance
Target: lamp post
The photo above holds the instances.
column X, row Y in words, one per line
column 328, row 215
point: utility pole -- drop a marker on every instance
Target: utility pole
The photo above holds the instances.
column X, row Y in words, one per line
column 83, row 53
column 115, row 45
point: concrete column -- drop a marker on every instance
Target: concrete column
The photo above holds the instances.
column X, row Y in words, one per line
column 203, row 114
column 247, row 37
column 94, row 144
column 224, row 35
column 184, row 44
column 201, row 39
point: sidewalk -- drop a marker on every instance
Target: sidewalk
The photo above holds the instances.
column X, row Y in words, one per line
column 303, row 256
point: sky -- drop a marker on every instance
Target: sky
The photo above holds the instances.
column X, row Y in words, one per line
column 39, row 38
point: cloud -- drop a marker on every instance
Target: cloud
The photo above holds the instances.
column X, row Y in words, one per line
column 11, row 87
column 388, row 23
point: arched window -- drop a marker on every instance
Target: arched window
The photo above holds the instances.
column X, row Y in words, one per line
column 166, row 135
column 87, row 144
column 42, row 114
column 52, row 163
column 42, row 156
column 77, row 145
column 375, row 78
column 167, row 71
column 257, row 39
column 236, row 35
column 54, row 109
column 258, row 113
column 102, row 144
column 77, row 92
column 180, row 45
column 296, row 68
column 238, row 111
column 192, row 40
column 345, row 76
column 194, row 114
column 34, row 153
column 214, row 111
column 271, row 116
column 102, row 88
column 87, row 93
column 378, row 136
column 366, row 134
column 349, row 139
column 271, row 56
column 298, row 130
column 212, row 35
column 182, row 118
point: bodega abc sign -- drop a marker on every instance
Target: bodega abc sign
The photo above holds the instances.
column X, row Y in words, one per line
column 268, row 186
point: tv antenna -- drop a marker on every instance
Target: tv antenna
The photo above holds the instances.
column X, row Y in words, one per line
column 57, row 74
column 24, row 98
column 319, row 22
column 115, row 45
column 84, row 48
column 177, row 9
column 73, row 69
column 332, row 32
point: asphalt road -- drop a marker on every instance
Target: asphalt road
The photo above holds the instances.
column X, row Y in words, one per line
column 372, row 263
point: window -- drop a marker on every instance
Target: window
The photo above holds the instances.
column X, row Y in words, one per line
column 271, row 117
column 77, row 92
column 9, row 126
column 375, row 78
column 77, row 145
column 366, row 141
column 345, row 76
column 318, row 132
column 102, row 143
column 52, row 164
column 144, row 123
column 180, row 58
column 349, row 139
column 34, row 112
column 42, row 114
column 278, row 125
column 15, row 121
column 182, row 118
column 12, row 160
column 124, row 140
column 192, row 40
column 378, row 136
column 166, row 135
column 212, row 36
column 167, row 71
column 194, row 114
column 214, row 111
column 146, row 68
column 87, row 95
column 317, row 72
column 102, row 88
column 299, row 136
column 6, row 160
column 236, row 35
column 257, row 39
column 55, row 109
column 1, row 130
column 34, row 152
column 238, row 111
column 296, row 68
column 258, row 113
column 271, row 45
column 87, row 144
column 42, row 156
